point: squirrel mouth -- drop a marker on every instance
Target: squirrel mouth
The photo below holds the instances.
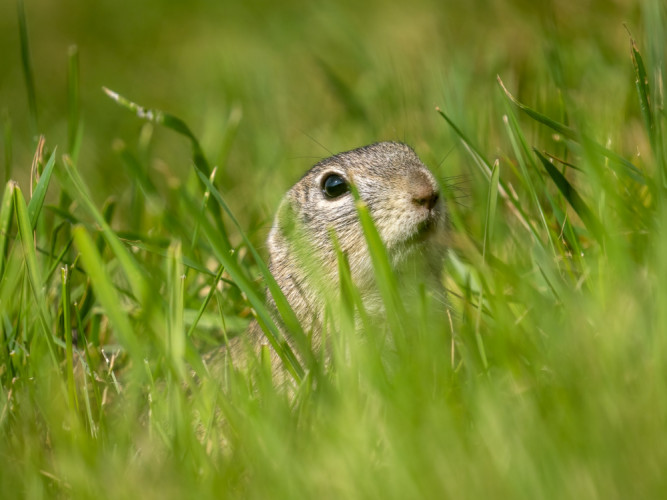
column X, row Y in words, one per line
column 423, row 231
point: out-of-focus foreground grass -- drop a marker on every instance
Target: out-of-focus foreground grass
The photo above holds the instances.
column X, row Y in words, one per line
column 119, row 269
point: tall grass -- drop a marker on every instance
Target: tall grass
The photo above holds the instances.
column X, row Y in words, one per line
column 545, row 376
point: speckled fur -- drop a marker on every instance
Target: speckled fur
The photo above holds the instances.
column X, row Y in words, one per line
column 390, row 179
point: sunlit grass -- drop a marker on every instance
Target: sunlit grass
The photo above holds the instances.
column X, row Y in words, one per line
column 544, row 377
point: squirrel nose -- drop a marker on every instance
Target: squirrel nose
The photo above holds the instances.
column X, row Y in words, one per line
column 426, row 197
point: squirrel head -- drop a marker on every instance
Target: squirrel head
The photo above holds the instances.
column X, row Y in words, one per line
column 403, row 199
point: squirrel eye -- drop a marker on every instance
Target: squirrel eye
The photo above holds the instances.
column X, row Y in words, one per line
column 334, row 186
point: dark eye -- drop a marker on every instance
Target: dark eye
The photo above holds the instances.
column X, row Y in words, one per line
column 334, row 186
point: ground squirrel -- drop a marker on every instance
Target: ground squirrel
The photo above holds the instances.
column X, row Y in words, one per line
column 404, row 201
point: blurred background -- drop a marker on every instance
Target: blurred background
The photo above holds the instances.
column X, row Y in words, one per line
column 271, row 87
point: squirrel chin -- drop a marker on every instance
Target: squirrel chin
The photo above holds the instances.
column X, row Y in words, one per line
column 424, row 231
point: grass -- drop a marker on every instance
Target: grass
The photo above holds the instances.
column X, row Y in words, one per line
column 123, row 262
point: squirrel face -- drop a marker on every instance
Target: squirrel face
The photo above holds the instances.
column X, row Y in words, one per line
column 404, row 202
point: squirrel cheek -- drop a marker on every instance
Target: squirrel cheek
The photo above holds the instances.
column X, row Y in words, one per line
column 392, row 221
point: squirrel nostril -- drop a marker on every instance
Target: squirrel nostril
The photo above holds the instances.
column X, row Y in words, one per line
column 432, row 200
column 427, row 201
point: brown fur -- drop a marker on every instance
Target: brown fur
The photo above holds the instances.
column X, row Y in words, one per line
column 403, row 199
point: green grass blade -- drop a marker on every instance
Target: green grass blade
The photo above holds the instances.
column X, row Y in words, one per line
column 479, row 341
column 523, row 154
column 38, row 195
column 138, row 173
column 627, row 168
column 491, row 204
column 480, row 160
column 92, row 426
column 140, row 287
column 134, row 241
column 564, row 130
column 350, row 297
column 206, row 301
column 285, row 310
column 652, row 119
column 5, row 223
column 574, row 199
column 59, row 259
column 34, row 273
column 486, row 170
column 384, row 273
column 67, row 327
column 643, row 90
column 167, row 120
column 202, row 211
column 225, row 255
column 175, row 328
column 106, row 294
column 107, row 212
column 177, row 125
column 489, row 224
column 27, row 69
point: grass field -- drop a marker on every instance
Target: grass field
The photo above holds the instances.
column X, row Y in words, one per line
column 121, row 266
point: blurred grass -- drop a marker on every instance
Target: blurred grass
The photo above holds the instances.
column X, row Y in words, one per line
column 547, row 381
